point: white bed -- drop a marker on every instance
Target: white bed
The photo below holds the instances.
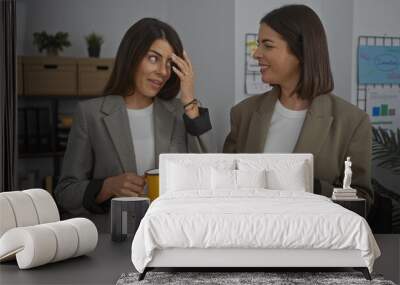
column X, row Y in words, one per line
column 202, row 220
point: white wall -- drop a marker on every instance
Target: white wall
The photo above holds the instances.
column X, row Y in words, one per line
column 79, row 18
column 206, row 28
column 337, row 17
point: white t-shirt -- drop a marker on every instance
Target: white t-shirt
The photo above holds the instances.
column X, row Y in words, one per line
column 141, row 123
column 284, row 130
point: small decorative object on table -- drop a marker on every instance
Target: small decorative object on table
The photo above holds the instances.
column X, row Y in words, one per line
column 345, row 193
column 94, row 42
column 126, row 214
column 347, row 196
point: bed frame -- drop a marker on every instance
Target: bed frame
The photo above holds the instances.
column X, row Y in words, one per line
column 244, row 259
column 248, row 259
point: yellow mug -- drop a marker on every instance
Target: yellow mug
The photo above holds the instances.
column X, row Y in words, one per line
column 152, row 183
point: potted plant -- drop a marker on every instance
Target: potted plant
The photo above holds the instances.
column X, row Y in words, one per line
column 51, row 43
column 386, row 166
column 94, row 42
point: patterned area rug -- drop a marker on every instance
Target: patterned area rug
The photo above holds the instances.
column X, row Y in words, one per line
column 242, row 278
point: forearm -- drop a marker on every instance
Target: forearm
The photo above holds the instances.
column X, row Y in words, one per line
column 104, row 193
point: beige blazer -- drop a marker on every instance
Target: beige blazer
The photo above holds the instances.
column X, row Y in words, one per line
column 333, row 129
column 100, row 144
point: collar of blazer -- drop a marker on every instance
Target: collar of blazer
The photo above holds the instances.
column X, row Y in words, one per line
column 313, row 133
column 117, row 125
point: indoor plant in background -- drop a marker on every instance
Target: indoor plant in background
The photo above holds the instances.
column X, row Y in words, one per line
column 94, row 42
column 51, row 43
column 386, row 170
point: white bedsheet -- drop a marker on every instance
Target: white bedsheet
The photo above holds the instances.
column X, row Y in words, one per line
column 251, row 218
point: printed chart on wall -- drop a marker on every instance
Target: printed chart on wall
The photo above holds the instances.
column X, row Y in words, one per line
column 378, row 93
column 379, row 65
column 383, row 106
column 252, row 82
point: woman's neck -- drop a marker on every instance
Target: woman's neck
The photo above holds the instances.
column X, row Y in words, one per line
column 291, row 100
column 137, row 101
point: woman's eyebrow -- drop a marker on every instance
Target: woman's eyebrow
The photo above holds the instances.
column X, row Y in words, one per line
column 267, row 40
column 156, row 52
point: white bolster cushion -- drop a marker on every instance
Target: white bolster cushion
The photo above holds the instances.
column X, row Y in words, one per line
column 7, row 218
column 87, row 235
column 40, row 244
column 24, row 211
column 46, row 208
column 26, row 208
column 33, row 246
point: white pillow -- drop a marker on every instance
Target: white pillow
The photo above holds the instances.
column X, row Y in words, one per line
column 251, row 178
column 189, row 174
column 223, row 179
column 292, row 179
column 185, row 177
column 280, row 174
column 235, row 179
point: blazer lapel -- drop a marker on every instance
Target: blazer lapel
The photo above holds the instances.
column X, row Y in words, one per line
column 316, row 126
column 164, row 120
column 117, row 124
column 259, row 123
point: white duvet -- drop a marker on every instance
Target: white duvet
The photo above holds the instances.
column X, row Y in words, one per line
column 251, row 218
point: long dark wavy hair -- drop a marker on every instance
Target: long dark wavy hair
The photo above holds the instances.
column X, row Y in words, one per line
column 134, row 46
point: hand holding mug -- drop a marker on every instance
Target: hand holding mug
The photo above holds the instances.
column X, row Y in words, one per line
column 124, row 185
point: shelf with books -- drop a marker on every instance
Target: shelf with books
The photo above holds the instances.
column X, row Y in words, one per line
column 48, row 92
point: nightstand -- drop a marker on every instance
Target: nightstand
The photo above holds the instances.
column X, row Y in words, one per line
column 357, row 205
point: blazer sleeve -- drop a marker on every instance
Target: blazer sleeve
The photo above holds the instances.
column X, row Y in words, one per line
column 360, row 151
column 199, row 133
column 76, row 190
column 230, row 145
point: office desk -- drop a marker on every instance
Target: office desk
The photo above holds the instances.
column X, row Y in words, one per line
column 104, row 265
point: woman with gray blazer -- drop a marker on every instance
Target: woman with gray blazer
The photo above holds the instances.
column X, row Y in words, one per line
column 300, row 114
column 115, row 138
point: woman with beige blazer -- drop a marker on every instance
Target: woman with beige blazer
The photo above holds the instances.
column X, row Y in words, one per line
column 300, row 114
column 115, row 138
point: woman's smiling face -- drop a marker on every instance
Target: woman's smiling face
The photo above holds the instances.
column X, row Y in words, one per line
column 277, row 63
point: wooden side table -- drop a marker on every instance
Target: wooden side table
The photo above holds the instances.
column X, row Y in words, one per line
column 357, row 205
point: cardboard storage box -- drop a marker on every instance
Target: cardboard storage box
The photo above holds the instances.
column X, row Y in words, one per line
column 45, row 75
column 93, row 75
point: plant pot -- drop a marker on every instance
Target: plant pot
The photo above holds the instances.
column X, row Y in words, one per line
column 52, row 52
column 94, row 51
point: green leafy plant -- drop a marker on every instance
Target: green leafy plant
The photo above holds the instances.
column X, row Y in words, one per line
column 94, row 40
column 51, row 43
column 386, row 148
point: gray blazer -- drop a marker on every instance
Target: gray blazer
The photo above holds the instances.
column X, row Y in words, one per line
column 332, row 130
column 100, row 144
